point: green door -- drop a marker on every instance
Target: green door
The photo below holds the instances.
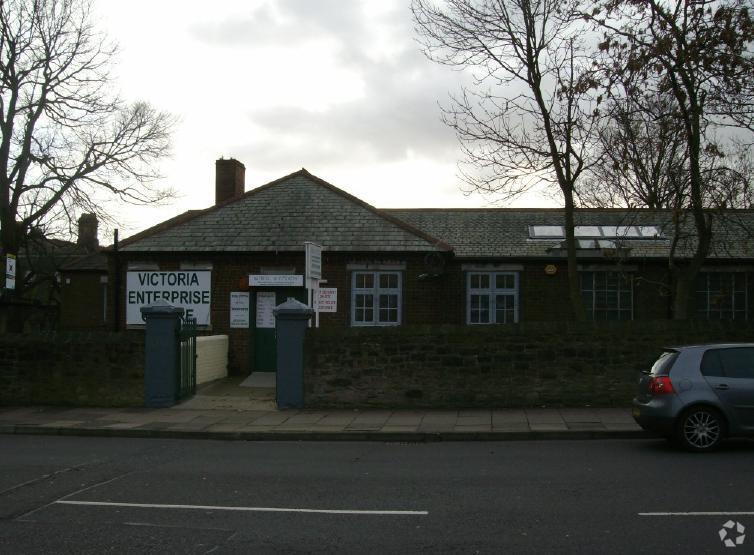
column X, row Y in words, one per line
column 262, row 338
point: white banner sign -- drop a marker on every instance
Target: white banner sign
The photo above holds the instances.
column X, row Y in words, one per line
column 286, row 280
column 265, row 307
column 328, row 300
column 190, row 290
column 239, row 309
column 10, row 271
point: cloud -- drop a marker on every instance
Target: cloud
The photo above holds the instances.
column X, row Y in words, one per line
column 395, row 115
column 285, row 22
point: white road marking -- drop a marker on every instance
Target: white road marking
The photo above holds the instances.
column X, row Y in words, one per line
column 243, row 509
column 703, row 513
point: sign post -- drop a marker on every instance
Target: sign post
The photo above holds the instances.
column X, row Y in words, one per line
column 313, row 275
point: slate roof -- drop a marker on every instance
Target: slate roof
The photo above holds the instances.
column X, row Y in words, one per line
column 497, row 233
column 281, row 216
column 93, row 262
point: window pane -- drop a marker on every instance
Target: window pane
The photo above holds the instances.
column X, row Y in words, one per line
column 388, row 281
column 364, row 308
column 388, row 308
column 364, row 281
column 606, row 295
column 721, row 295
column 504, row 309
column 504, row 281
column 480, row 309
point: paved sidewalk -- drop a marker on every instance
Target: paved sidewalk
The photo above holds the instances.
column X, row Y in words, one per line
column 380, row 425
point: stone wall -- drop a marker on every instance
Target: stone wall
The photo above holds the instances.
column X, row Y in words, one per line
column 84, row 369
column 533, row 364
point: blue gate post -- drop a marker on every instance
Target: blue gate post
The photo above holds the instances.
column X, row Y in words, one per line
column 161, row 354
column 291, row 319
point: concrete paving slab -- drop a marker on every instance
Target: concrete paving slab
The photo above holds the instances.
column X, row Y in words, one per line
column 370, row 420
column 440, row 417
column 271, row 419
column 336, row 419
column 509, row 415
column 305, row 418
column 399, row 420
column 482, row 420
column 580, row 415
column 543, row 416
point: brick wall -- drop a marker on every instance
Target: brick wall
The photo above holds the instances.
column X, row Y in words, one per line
column 533, row 364
column 94, row 369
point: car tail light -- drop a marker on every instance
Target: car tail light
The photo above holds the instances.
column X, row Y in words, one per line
column 660, row 385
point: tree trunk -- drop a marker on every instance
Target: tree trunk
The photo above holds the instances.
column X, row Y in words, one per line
column 574, row 288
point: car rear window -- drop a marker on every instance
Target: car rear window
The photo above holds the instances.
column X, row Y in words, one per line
column 731, row 363
column 662, row 365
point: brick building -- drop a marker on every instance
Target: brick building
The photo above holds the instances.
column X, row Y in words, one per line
column 405, row 267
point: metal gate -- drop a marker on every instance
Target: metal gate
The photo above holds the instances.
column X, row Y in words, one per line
column 186, row 382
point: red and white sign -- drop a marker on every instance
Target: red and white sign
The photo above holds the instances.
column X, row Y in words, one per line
column 327, row 300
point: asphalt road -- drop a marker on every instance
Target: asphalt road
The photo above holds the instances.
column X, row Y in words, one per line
column 100, row 495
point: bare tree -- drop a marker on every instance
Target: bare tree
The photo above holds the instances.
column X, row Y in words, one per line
column 699, row 54
column 68, row 141
column 642, row 155
column 527, row 117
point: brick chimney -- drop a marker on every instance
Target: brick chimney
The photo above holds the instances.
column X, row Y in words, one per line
column 88, row 232
column 230, row 179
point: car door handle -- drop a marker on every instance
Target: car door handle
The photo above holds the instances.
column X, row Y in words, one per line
column 722, row 386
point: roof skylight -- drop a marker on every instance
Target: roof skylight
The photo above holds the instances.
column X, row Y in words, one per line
column 597, row 232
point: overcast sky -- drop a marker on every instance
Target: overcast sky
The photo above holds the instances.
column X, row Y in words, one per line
column 338, row 87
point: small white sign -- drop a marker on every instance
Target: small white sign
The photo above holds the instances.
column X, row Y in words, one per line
column 239, row 309
column 313, row 260
column 10, row 271
column 286, row 280
column 327, row 300
column 265, row 306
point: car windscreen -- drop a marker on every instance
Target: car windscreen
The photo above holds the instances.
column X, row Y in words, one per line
column 662, row 366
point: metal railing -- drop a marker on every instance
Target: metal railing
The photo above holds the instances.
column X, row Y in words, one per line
column 186, row 382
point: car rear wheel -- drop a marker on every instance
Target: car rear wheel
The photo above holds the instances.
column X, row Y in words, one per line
column 700, row 429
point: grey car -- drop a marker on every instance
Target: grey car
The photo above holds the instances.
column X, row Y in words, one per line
column 697, row 395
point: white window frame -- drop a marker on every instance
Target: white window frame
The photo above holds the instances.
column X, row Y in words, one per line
column 708, row 295
column 492, row 292
column 627, row 275
column 376, row 291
